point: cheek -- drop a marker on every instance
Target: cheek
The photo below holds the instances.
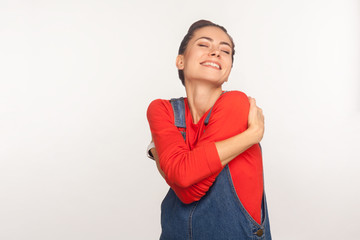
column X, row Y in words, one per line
column 228, row 69
column 191, row 61
column 228, row 64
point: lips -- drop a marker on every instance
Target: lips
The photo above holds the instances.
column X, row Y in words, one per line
column 211, row 64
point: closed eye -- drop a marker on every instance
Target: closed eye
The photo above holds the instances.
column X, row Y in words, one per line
column 202, row 45
column 227, row 52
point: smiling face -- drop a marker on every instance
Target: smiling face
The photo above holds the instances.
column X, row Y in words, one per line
column 208, row 56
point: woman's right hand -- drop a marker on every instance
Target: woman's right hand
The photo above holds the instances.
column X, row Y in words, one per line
column 255, row 121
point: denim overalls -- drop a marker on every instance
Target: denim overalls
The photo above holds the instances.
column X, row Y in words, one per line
column 218, row 215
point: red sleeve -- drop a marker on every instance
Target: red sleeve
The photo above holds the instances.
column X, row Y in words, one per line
column 194, row 192
column 182, row 166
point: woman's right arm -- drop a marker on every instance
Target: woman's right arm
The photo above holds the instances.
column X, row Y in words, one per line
column 230, row 148
column 184, row 167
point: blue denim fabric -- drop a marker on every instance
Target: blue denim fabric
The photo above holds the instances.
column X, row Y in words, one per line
column 218, row 215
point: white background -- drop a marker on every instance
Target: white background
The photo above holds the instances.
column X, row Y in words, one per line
column 76, row 78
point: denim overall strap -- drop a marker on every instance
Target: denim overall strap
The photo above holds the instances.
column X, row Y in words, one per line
column 208, row 117
column 178, row 106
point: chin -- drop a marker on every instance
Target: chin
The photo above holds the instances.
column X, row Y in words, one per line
column 214, row 81
column 208, row 78
column 213, row 78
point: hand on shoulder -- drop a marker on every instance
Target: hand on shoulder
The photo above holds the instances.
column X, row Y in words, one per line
column 256, row 120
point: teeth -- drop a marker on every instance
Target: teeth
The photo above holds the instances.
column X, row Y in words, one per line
column 211, row 64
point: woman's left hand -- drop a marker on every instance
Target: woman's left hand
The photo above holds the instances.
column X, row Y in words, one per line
column 156, row 157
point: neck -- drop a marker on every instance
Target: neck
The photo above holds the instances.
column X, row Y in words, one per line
column 201, row 97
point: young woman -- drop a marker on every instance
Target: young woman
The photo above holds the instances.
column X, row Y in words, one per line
column 207, row 147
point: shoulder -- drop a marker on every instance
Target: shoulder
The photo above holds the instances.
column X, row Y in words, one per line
column 159, row 108
column 233, row 100
column 158, row 105
column 230, row 112
column 235, row 96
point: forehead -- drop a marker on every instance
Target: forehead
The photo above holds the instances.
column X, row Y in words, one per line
column 214, row 33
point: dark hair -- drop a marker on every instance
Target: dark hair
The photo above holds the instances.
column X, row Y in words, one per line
column 195, row 26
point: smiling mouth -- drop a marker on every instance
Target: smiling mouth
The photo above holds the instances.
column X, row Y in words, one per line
column 211, row 64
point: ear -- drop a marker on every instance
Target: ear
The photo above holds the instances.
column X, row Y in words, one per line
column 180, row 62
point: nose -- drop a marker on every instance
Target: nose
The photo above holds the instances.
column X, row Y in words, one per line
column 214, row 52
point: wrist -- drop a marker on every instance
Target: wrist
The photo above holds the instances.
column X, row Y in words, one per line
column 254, row 135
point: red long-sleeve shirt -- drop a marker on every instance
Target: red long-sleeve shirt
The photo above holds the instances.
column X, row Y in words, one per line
column 191, row 166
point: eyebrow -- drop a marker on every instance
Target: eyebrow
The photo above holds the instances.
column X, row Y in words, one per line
column 211, row 40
